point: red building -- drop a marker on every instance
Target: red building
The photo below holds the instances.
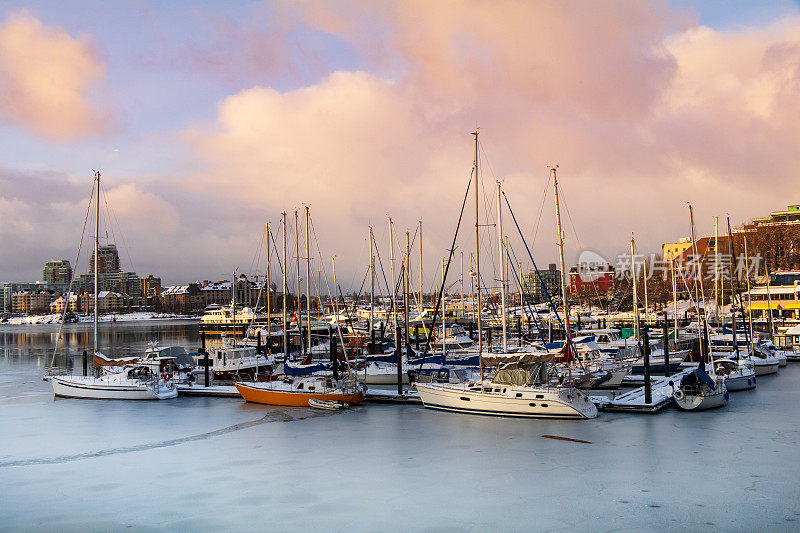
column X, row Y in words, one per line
column 591, row 280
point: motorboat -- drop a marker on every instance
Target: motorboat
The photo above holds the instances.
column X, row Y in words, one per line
column 133, row 382
column 231, row 362
column 699, row 391
column 780, row 355
column 298, row 392
column 763, row 361
column 739, row 375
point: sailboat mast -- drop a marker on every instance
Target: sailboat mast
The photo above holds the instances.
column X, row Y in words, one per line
column 421, row 306
column 716, row 266
column 285, row 291
column 308, row 282
column 269, row 303
column 674, row 298
column 233, row 303
column 96, row 257
column 696, row 293
column 635, row 299
column 564, row 298
column 502, row 268
column 463, row 303
column 444, row 317
column 297, row 260
column 372, row 285
column 749, row 300
column 405, row 290
column 477, row 256
column 392, row 291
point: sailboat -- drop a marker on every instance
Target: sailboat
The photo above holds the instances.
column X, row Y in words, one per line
column 698, row 390
column 129, row 380
column 521, row 386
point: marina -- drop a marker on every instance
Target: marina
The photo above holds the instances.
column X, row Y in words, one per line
column 254, row 460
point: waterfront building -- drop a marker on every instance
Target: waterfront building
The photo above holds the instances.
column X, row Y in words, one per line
column 9, row 288
column 182, row 298
column 551, row 279
column 107, row 302
column 57, row 305
column 789, row 216
column 151, row 286
column 31, row 302
column 57, row 271
column 591, row 280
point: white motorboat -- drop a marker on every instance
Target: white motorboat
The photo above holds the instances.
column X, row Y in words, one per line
column 697, row 391
column 780, row 355
column 764, row 362
column 134, row 382
column 380, row 373
column 739, row 375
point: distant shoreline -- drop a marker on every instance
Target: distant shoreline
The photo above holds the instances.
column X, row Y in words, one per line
column 128, row 318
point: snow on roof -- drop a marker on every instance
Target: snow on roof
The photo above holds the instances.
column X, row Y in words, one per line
column 176, row 289
column 782, row 289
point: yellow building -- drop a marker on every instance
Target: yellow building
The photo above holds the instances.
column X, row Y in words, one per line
column 57, row 306
column 671, row 250
column 784, row 300
column 31, row 302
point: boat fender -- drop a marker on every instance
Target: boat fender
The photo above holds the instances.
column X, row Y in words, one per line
column 679, row 394
column 167, row 376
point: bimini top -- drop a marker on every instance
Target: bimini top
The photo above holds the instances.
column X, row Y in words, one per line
column 519, row 358
column 535, row 374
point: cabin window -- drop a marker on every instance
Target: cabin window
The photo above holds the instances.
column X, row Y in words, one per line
column 299, row 386
column 311, row 387
column 504, row 391
column 519, row 395
column 466, row 399
column 544, row 405
column 539, row 396
column 532, row 404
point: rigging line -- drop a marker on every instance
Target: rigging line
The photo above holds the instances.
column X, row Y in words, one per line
column 567, row 334
column 473, row 174
column 569, row 215
column 541, row 210
column 112, row 219
column 380, row 263
column 525, row 294
column 72, row 280
column 258, row 298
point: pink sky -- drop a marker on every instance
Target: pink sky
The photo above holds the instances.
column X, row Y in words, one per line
column 364, row 109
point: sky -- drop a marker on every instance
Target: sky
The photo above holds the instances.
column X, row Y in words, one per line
column 208, row 119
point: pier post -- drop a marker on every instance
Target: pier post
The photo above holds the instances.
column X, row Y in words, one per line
column 258, row 343
column 648, row 392
column 666, row 346
column 85, row 362
column 205, row 355
column 519, row 330
column 399, row 352
column 334, row 352
column 489, row 337
column 371, row 347
column 703, row 343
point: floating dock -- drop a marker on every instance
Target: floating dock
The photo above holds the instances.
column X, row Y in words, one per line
column 633, row 401
column 391, row 396
column 227, row 391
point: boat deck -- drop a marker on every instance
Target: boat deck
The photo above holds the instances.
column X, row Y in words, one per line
column 633, row 401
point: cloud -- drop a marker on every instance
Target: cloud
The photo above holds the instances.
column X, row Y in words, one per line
column 46, row 78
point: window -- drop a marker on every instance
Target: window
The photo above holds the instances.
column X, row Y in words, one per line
column 532, row 404
column 466, row 399
column 539, row 396
column 544, row 405
column 519, row 395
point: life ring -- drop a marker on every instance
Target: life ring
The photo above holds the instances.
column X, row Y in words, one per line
column 678, row 394
column 167, row 376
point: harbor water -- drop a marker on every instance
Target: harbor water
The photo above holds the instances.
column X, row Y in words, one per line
column 220, row 463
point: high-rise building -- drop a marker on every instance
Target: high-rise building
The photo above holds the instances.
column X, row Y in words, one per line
column 57, row 271
column 551, row 279
column 109, row 260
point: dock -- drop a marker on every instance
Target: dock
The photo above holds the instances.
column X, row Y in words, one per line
column 390, row 396
column 225, row 391
column 633, row 401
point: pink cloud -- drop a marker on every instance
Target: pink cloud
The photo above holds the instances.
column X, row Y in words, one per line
column 45, row 79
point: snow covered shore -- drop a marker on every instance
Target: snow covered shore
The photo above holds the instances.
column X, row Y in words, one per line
column 126, row 317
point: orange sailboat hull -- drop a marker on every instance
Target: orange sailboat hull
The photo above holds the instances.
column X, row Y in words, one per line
column 292, row 398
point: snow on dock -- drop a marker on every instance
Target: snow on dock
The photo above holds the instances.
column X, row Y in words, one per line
column 213, row 390
column 633, row 401
column 391, row 396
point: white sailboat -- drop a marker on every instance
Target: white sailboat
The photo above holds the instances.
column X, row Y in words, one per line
column 521, row 386
column 128, row 382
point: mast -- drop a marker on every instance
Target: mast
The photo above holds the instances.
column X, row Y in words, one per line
column 644, row 282
column 696, row 293
column 285, row 290
column 635, row 299
column 297, row 259
column 308, row 283
column 96, row 258
column 444, row 317
column 463, row 303
column 716, row 267
column 392, row 289
column 336, row 294
column 372, row 287
column 502, row 268
column 749, row 299
column 563, row 271
column 421, row 306
column 405, row 291
column 674, row 298
column 233, row 303
column 478, row 257
column 269, row 303
column 769, row 302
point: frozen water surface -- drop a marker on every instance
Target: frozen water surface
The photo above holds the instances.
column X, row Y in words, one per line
column 215, row 463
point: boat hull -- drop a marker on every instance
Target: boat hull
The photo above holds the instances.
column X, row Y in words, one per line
column 737, row 383
column 269, row 396
column 462, row 400
column 766, row 368
column 696, row 402
column 91, row 390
